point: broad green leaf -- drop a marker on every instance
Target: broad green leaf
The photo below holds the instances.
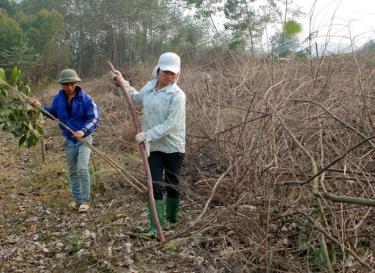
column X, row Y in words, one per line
column 3, row 92
column 40, row 130
column 29, row 109
column 2, row 75
column 31, row 141
column 34, row 133
column 18, row 132
column 21, row 141
column 26, row 90
column 12, row 117
column 14, row 75
column 16, row 117
column 2, row 105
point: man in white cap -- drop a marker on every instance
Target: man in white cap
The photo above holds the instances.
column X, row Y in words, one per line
column 163, row 132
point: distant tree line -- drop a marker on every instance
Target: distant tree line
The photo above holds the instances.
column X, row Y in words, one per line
column 44, row 36
column 368, row 46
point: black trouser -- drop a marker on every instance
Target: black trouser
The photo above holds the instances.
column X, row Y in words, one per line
column 169, row 165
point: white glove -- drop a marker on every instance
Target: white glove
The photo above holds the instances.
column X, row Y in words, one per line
column 116, row 77
column 142, row 137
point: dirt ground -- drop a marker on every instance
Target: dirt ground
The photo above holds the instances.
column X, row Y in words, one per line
column 39, row 232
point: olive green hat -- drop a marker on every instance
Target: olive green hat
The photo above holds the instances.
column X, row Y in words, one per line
column 68, row 76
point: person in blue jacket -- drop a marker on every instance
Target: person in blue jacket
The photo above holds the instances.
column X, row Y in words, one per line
column 76, row 109
column 163, row 133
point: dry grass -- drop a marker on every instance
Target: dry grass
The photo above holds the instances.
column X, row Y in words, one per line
column 252, row 123
column 240, row 115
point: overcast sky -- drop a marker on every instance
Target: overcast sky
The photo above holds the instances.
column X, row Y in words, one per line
column 337, row 22
column 350, row 16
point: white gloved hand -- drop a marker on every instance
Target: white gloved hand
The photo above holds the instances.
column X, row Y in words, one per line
column 116, row 77
column 142, row 137
column 112, row 75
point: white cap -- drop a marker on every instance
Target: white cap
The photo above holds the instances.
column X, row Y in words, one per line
column 169, row 62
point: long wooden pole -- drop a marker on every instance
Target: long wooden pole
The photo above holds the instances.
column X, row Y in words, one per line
column 142, row 151
column 136, row 184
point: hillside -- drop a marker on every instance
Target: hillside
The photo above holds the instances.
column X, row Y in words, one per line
column 256, row 131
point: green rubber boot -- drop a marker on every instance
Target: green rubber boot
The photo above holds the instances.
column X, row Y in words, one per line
column 159, row 204
column 172, row 205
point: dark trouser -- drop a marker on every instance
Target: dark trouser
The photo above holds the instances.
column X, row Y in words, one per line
column 169, row 165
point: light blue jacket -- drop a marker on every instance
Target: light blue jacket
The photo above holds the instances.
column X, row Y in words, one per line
column 163, row 116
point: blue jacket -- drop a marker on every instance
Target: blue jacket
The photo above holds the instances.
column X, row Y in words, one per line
column 82, row 115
